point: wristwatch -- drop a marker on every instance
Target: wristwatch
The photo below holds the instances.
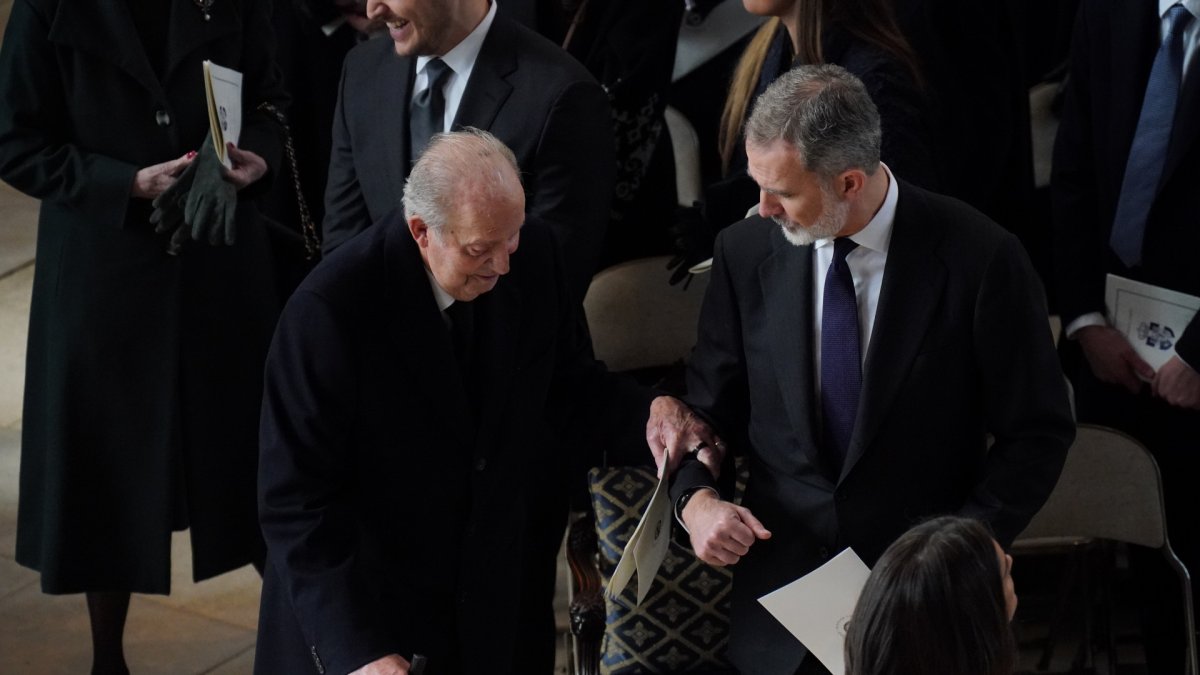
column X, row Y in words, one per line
column 685, row 497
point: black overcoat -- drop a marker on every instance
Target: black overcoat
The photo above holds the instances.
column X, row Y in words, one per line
column 405, row 512
column 144, row 370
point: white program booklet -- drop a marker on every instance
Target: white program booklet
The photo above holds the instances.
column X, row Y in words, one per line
column 816, row 607
column 647, row 546
column 1151, row 318
column 223, row 89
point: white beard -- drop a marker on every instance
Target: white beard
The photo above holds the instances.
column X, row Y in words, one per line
column 832, row 220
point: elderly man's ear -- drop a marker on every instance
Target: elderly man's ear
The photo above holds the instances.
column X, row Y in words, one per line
column 419, row 230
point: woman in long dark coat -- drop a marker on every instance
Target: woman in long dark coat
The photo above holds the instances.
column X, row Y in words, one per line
column 143, row 378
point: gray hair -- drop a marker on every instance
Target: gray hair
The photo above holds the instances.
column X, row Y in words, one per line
column 457, row 167
column 824, row 112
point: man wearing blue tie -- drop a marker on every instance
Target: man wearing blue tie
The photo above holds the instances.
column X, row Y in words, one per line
column 859, row 341
column 1125, row 181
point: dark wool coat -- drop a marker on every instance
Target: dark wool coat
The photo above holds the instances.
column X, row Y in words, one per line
column 408, row 508
column 143, row 377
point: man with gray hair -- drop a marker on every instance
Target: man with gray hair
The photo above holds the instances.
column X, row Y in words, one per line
column 415, row 467
column 859, row 341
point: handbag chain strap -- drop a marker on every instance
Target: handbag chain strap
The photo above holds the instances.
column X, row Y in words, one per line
column 312, row 243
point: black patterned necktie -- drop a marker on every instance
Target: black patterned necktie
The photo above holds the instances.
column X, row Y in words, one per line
column 841, row 363
column 427, row 113
column 1143, row 169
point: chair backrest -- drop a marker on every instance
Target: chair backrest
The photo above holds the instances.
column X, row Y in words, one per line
column 637, row 319
column 683, row 625
column 1109, row 489
column 685, row 147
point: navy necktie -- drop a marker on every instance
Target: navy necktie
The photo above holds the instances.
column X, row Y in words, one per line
column 428, row 111
column 841, row 363
column 1143, row 170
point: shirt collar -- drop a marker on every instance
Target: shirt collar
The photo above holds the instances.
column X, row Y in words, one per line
column 443, row 299
column 463, row 55
column 877, row 235
column 1192, row 6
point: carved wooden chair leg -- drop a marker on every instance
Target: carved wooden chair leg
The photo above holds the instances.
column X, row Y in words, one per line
column 587, row 604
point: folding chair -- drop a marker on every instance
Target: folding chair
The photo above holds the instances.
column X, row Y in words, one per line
column 1111, row 489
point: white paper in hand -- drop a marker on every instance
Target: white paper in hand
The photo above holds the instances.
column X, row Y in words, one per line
column 223, row 88
column 1151, row 318
column 816, row 607
column 647, row 546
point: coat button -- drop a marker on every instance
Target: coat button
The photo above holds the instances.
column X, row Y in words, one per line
column 163, row 118
column 824, row 553
column 480, row 464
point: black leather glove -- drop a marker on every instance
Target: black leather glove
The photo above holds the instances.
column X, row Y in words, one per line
column 692, row 236
column 211, row 201
column 168, row 210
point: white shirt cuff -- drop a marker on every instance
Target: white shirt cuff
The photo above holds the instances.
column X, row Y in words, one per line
column 1089, row 319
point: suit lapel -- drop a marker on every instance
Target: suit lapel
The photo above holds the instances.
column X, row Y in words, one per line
column 417, row 330
column 105, row 30
column 1187, row 121
column 912, row 287
column 786, row 279
column 496, row 348
column 390, row 111
column 488, row 88
column 1134, row 43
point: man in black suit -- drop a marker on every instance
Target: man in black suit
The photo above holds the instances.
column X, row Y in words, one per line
column 845, row 260
column 425, row 406
column 1127, row 162
column 498, row 76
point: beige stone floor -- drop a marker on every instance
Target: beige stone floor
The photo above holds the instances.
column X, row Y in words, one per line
column 201, row 628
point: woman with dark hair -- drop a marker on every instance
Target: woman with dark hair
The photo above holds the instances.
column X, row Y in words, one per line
column 939, row 602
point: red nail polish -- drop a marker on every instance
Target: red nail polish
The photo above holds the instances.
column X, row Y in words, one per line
column 191, row 154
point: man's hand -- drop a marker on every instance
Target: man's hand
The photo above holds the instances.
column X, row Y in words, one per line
column 247, row 166
column 1178, row 383
column 673, row 426
column 151, row 181
column 1112, row 358
column 392, row 664
column 721, row 531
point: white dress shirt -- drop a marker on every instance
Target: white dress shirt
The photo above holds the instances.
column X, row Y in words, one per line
column 866, row 263
column 441, row 297
column 461, row 60
column 1191, row 34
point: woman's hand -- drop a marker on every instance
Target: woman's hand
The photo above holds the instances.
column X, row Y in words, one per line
column 247, row 166
column 151, row 181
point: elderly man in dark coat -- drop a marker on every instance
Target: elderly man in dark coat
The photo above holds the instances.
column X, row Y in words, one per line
column 144, row 369
column 429, row 393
